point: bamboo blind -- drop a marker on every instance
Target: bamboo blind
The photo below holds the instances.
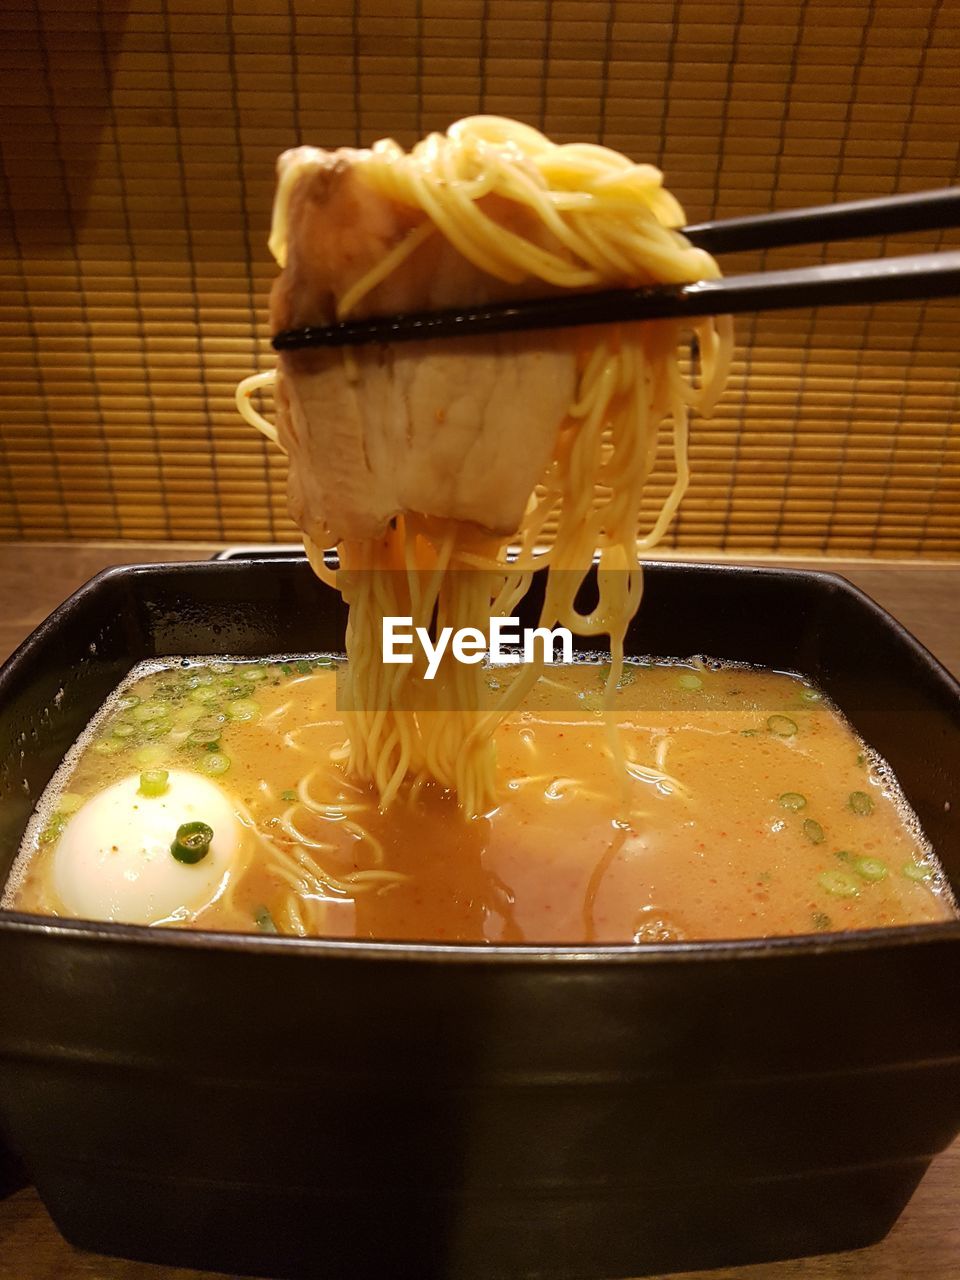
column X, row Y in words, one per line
column 138, row 142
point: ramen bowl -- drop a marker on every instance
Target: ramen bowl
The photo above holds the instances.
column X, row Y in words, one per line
column 291, row 1107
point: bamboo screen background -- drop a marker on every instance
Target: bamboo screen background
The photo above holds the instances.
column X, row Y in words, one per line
column 138, row 143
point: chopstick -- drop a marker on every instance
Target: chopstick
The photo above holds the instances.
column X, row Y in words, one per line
column 927, row 275
column 886, row 216
column 923, row 275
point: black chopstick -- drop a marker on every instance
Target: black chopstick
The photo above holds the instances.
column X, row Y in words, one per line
column 886, row 216
column 922, row 275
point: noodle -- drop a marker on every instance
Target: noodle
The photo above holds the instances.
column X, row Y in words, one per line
column 598, row 220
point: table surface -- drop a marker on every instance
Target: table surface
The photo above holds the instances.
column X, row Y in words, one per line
column 925, row 1242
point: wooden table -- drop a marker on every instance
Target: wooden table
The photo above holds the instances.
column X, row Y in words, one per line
column 924, row 1243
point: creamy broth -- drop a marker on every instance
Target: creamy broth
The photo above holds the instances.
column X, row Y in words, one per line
column 747, row 808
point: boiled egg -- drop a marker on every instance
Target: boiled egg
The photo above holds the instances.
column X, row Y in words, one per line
column 113, row 859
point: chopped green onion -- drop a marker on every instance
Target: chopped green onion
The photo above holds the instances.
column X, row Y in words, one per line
column 324, row 662
column 234, row 688
column 303, row 666
column 215, row 720
column 204, row 693
column 264, row 920
column 813, row 831
column 53, row 829
column 199, row 737
column 154, row 782
column 821, row 920
column 192, row 842
column 124, row 730
column 156, row 728
column 199, row 679
column 286, row 668
column 793, row 800
column 127, row 702
column 861, row 758
column 845, row 855
column 148, row 711
column 215, row 764
column 255, row 674
column 839, row 883
column 243, row 709
column 108, row 746
column 782, row 726
column 221, row 668
column 190, row 713
column 69, row 803
column 288, row 795
column 689, row 681
column 810, row 695
column 147, row 757
column 918, row 870
column 870, row 869
column 860, row 803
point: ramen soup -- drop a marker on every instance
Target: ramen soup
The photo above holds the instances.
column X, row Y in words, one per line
column 214, row 795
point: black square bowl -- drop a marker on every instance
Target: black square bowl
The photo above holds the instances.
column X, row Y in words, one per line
column 360, row 1110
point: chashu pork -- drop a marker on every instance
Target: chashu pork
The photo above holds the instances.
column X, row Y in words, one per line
column 459, row 428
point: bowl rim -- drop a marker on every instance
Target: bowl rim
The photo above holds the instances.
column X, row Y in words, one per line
column 530, row 954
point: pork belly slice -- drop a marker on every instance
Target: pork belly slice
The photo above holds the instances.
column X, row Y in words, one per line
column 461, row 428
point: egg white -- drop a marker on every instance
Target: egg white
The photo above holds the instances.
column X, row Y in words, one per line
column 113, row 859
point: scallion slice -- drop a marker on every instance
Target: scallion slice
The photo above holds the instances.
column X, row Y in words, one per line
column 860, row 803
column 148, row 711
column 264, row 920
column 154, row 782
column 243, row 709
column 919, row 871
column 838, row 883
column 870, row 869
column 205, row 693
column 813, row 831
column 192, row 842
column 203, row 736
column 782, row 726
column 793, row 800
column 215, row 764
column 53, row 830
